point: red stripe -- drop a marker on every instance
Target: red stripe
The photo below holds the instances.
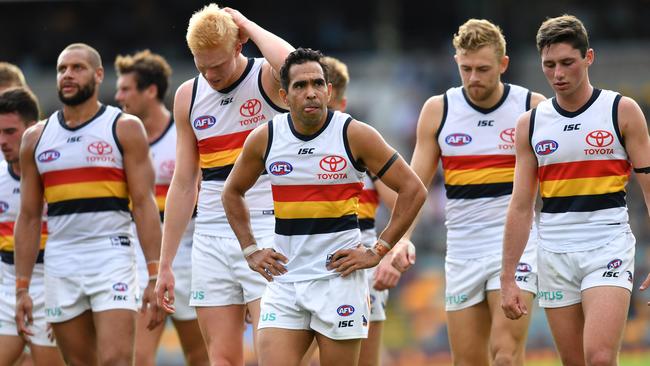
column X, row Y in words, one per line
column 161, row 190
column 7, row 228
column 477, row 162
column 317, row 192
column 223, row 142
column 82, row 175
column 369, row 196
column 584, row 169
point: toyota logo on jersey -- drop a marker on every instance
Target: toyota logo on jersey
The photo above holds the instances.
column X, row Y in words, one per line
column 599, row 138
column 250, row 108
column 100, row 148
column 508, row 135
column 333, row 163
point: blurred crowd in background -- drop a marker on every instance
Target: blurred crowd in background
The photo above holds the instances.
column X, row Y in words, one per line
column 399, row 53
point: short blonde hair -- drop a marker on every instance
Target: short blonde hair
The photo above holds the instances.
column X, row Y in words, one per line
column 11, row 76
column 478, row 33
column 211, row 27
column 338, row 75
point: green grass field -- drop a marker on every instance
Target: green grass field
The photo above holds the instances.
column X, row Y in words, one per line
column 636, row 359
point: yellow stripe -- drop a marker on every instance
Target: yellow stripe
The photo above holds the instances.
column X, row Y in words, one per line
column 7, row 243
column 160, row 202
column 367, row 210
column 479, row 176
column 220, row 158
column 583, row 186
column 73, row 191
column 315, row 209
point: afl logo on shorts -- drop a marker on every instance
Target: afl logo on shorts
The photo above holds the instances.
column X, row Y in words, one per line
column 345, row 310
column 4, row 206
column 546, row 147
column 48, row 155
column 614, row 264
column 120, row 287
column 280, row 168
column 204, row 122
column 458, row 139
column 524, row 267
column 333, row 163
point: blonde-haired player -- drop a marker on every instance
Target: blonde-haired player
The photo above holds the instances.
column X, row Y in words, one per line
column 470, row 129
column 214, row 113
column 11, row 76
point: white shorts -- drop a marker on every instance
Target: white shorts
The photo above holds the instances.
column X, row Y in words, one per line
column 8, row 307
column 220, row 274
column 115, row 287
column 468, row 280
column 378, row 299
column 563, row 276
column 337, row 307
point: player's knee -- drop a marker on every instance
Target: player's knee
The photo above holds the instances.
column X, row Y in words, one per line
column 504, row 359
column 144, row 358
column 197, row 357
column 600, row 357
column 116, row 357
column 506, row 356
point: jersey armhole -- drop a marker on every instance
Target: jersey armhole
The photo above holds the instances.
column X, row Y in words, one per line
column 617, row 129
column 114, row 130
column 266, row 97
column 269, row 142
column 531, row 127
column 529, row 95
column 357, row 165
column 39, row 138
column 195, row 86
column 444, row 115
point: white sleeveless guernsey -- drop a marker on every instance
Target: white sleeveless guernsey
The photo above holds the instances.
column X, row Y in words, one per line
column 583, row 171
column 221, row 121
column 84, row 183
column 478, row 159
column 316, row 187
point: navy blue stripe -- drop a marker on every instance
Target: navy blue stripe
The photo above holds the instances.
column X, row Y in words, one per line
column 195, row 86
column 315, row 226
column 267, row 99
column 617, row 100
column 269, row 140
column 8, row 257
column 219, row 173
column 478, row 190
column 445, row 108
column 528, row 97
column 366, row 224
column 531, row 126
column 85, row 205
column 587, row 203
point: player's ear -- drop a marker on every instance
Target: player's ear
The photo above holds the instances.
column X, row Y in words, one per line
column 283, row 95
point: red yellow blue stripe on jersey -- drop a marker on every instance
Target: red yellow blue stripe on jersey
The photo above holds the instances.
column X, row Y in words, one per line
column 217, row 154
column 81, row 190
column 478, row 176
column 368, row 203
column 7, row 243
column 315, row 209
column 583, row 186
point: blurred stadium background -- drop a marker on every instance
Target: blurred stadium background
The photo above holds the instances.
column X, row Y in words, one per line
column 399, row 53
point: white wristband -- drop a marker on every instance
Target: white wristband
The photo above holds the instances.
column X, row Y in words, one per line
column 384, row 243
column 250, row 250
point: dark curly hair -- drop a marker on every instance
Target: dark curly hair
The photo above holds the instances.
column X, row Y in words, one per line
column 298, row 57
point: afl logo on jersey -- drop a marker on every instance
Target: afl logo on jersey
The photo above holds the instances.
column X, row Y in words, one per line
column 48, row 155
column 546, row 147
column 333, row 163
column 458, row 139
column 4, row 206
column 599, row 138
column 614, row 264
column 345, row 310
column 280, row 168
column 203, row 122
column 100, row 148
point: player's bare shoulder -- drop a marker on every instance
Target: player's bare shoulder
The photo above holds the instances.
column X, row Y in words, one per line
column 432, row 113
column 32, row 135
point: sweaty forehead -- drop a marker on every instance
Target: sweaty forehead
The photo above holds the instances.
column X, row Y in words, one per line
column 75, row 56
column 306, row 71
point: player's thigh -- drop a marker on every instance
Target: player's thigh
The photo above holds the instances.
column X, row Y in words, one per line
column 46, row 356
column 507, row 336
column 371, row 346
column 567, row 324
column 146, row 341
column 115, row 335
column 469, row 330
column 12, row 347
column 283, row 347
column 222, row 328
column 310, row 354
column 77, row 340
column 605, row 311
column 189, row 334
column 338, row 352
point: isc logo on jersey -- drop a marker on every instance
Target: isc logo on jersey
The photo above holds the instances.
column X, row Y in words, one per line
column 204, row 122
column 48, row 156
column 458, row 139
column 280, row 168
column 546, row 147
